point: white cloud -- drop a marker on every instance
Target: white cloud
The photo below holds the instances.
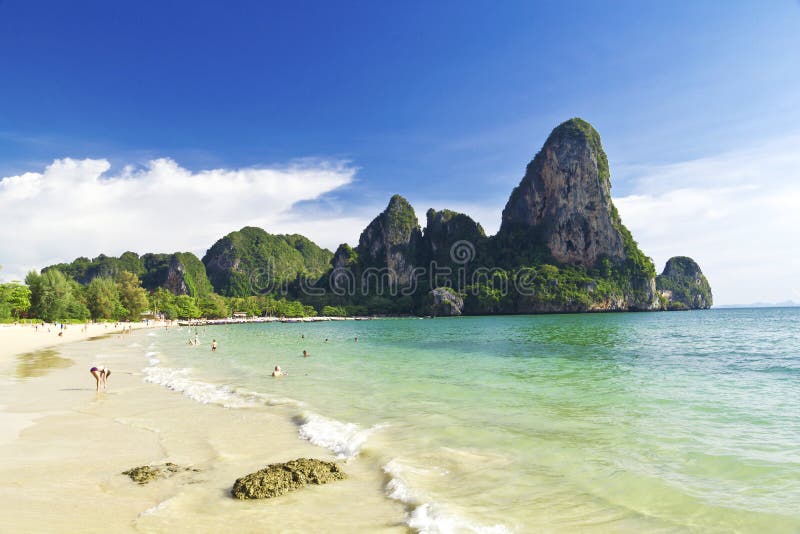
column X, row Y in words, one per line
column 737, row 214
column 80, row 208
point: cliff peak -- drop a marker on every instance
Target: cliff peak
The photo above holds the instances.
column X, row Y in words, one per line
column 564, row 200
column 393, row 240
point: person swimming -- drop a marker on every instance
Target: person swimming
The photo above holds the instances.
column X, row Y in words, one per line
column 278, row 372
column 306, row 354
column 101, row 374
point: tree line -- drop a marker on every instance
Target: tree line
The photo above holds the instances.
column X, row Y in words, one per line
column 53, row 297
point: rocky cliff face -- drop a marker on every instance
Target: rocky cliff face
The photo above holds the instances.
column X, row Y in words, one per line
column 176, row 278
column 344, row 257
column 682, row 285
column 563, row 207
column 564, row 199
column 444, row 229
column 392, row 240
column 444, row 302
column 181, row 273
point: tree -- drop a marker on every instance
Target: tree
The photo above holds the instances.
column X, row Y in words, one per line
column 163, row 301
column 186, row 307
column 18, row 299
column 333, row 311
column 51, row 294
column 131, row 295
column 102, row 298
column 213, row 306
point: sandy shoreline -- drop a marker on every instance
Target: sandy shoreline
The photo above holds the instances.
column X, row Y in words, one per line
column 17, row 339
column 64, row 447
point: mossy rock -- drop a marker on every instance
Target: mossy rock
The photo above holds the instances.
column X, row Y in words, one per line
column 147, row 473
column 278, row 479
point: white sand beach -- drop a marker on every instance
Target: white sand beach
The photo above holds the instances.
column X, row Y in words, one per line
column 19, row 338
column 64, row 447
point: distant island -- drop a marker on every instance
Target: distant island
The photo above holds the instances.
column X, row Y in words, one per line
column 784, row 304
column 561, row 247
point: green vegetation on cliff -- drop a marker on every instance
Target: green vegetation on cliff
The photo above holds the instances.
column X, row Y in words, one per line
column 249, row 260
column 683, row 285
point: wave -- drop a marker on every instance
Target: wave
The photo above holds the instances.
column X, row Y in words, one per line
column 151, row 358
column 426, row 516
column 343, row 439
column 157, row 508
column 205, row 393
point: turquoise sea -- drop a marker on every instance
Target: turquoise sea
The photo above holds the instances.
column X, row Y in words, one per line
column 683, row 421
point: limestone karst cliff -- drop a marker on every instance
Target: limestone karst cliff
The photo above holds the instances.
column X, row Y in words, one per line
column 683, row 286
column 561, row 247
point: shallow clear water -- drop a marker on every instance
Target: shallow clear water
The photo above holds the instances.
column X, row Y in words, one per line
column 606, row 422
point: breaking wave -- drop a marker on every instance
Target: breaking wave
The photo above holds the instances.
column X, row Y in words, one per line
column 426, row 516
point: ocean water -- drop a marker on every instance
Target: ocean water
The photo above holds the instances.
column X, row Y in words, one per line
column 596, row 422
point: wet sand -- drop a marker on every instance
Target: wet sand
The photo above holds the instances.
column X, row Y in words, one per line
column 63, row 448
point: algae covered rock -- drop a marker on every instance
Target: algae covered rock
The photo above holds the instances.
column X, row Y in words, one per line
column 147, row 473
column 277, row 479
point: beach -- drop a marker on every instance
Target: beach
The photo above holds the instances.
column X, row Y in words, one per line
column 64, row 447
column 594, row 423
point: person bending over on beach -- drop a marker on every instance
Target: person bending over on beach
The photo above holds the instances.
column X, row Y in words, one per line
column 101, row 374
column 278, row 372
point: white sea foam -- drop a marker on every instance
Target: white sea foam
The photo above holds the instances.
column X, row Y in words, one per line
column 343, row 439
column 151, row 358
column 157, row 508
column 151, row 334
column 426, row 516
column 179, row 380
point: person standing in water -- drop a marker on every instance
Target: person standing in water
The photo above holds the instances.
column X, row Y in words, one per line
column 277, row 372
column 306, row 354
column 101, row 374
column 213, row 345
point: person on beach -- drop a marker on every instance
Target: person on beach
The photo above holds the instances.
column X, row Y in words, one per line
column 277, row 372
column 213, row 345
column 101, row 374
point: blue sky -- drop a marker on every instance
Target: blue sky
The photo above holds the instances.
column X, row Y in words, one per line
column 443, row 102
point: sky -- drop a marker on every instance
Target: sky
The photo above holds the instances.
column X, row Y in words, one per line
column 162, row 126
